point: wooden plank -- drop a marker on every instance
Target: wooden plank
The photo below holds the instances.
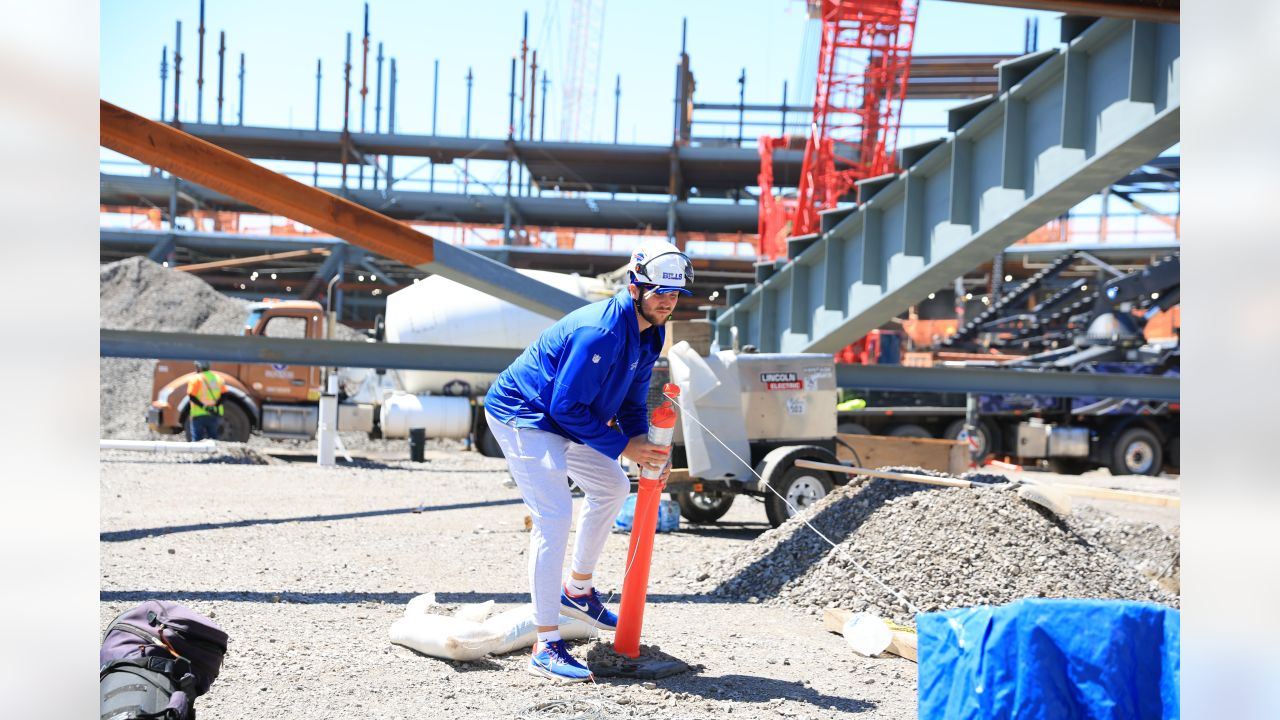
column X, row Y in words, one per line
column 903, row 643
column 881, row 450
column 851, row 470
column 1133, row 496
column 253, row 260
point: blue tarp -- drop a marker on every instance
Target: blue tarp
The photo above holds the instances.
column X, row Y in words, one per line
column 1042, row 658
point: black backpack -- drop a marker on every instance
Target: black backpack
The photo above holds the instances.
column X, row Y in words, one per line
column 156, row 659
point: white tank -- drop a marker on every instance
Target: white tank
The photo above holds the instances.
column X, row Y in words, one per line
column 440, row 417
column 439, row 311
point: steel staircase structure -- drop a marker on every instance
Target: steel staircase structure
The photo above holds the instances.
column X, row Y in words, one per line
column 1064, row 124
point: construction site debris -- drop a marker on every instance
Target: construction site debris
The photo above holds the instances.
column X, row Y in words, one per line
column 940, row 547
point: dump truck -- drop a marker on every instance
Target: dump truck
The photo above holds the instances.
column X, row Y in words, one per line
column 283, row 400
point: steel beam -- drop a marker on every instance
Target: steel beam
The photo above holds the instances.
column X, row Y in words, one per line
column 602, row 213
column 315, row 353
column 202, row 162
column 331, row 353
column 998, row 381
column 1065, row 127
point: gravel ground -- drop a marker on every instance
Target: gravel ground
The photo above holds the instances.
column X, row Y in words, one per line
column 307, row 567
column 940, row 547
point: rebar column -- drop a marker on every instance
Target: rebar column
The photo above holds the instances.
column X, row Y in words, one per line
column 200, row 69
column 542, row 130
column 617, row 105
column 435, row 98
column 346, row 112
column 240, row 109
column 164, row 76
column 391, row 123
column 315, row 170
column 511, row 131
column 466, row 131
column 377, row 111
column 222, row 57
column 364, row 81
column 177, row 71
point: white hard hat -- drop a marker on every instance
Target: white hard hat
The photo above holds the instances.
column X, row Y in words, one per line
column 661, row 264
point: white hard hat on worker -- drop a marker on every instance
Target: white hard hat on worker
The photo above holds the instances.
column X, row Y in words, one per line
column 660, row 266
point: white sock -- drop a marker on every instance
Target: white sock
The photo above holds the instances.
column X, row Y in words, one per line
column 576, row 586
column 548, row 636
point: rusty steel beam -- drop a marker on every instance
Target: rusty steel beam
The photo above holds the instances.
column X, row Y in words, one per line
column 221, row 170
column 252, row 260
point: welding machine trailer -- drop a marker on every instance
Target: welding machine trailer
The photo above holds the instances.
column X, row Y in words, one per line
column 770, row 410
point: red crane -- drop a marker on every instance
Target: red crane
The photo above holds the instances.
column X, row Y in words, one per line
column 864, row 61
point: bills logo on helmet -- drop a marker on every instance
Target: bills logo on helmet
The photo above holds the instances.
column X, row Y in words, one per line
column 672, row 276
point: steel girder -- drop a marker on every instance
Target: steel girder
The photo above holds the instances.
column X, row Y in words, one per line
column 480, row 209
column 1065, row 124
column 331, row 353
column 221, row 170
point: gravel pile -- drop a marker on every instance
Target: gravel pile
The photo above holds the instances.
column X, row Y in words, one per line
column 1153, row 550
column 137, row 294
column 941, row 547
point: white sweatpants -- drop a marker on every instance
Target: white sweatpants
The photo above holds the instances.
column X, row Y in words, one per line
column 540, row 463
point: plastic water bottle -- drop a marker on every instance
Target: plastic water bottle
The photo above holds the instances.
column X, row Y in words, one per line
column 662, row 427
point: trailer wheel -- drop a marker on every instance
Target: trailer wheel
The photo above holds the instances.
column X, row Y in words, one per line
column 910, row 430
column 235, row 425
column 985, row 433
column 704, row 508
column 1137, row 452
column 800, row 487
column 487, row 444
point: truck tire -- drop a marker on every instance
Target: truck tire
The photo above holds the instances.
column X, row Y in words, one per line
column 1174, row 451
column 235, row 425
column 910, row 430
column 800, row 487
column 487, row 444
column 1136, row 452
column 703, row 508
column 985, row 435
column 852, row 428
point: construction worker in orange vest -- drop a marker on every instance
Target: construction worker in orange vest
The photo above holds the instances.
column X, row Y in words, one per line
column 205, row 392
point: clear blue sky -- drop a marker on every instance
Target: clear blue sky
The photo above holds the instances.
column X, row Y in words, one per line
column 640, row 41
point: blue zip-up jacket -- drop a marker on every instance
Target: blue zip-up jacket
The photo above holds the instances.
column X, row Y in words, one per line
column 592, row 366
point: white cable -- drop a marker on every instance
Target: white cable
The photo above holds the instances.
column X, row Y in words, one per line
column 795, row 512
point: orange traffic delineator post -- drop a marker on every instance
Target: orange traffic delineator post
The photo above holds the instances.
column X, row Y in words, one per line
column 635, row 585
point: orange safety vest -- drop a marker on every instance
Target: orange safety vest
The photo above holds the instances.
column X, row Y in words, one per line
column 207, row 388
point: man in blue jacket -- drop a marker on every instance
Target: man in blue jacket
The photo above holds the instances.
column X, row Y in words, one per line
column 568, row 407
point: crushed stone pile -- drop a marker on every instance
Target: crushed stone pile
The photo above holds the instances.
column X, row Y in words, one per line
column 940, row 547
column 1153, row 550
column 138, row 294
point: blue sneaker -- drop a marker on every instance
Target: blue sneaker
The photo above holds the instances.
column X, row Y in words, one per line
column 588, row 608
column 552, row 660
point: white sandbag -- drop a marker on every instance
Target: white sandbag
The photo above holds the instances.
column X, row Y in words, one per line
column 419, row 604
column 475, row 612
column 444, row 637
column 516, row 629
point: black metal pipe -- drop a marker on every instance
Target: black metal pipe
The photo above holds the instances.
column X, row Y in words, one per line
column 617, row 105
column 315, row 171
column 391, row 124
column 784, row 108
column 240, row 109
column 542, row 131
column 222, row 58
column 346, row 111
column 466, row 164
column 435, row 99
column 511, row 131
column 377, row 109
column 164, row 76
column 742, row 99
column 177, row 72
column 364, row 80
column 200, row 69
